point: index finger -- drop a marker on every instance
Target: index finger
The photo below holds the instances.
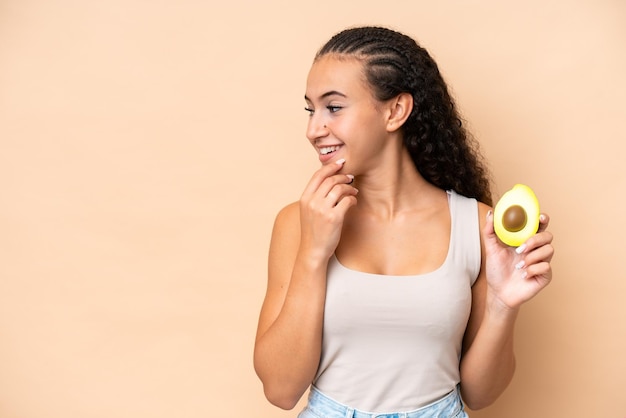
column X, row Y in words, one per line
column 322, row 174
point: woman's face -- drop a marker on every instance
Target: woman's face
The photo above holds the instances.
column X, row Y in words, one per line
column 346, row 121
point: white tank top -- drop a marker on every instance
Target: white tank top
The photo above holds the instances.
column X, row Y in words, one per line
column 393, row 343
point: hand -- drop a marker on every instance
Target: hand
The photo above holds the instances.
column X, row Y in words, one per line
column 515, row 275
column 323, row 206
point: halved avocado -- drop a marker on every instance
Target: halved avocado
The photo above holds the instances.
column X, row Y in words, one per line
column 516, row 215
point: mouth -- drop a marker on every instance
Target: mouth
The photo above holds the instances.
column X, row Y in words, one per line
column 329, row 150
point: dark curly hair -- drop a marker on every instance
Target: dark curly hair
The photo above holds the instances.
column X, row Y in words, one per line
column 440, row 146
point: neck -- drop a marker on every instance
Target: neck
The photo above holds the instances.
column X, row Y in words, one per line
column 394, row 187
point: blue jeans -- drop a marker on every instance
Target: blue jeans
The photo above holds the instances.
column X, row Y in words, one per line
column 321, row 406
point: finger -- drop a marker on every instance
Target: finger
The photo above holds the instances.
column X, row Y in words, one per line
column 346, row 203
column 321, row 175
column 339, row 192
column 540, row 271
column 536, row 241
column 539, row 255
column 330, row 183
column 488, row 230
column 544, row 220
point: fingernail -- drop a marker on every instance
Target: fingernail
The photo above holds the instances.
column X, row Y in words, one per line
column 520, row 249
column 524, row 274
column 542, row 218
column 351, row 177
column 341, row 161
column 489, row 214
column 519, row 265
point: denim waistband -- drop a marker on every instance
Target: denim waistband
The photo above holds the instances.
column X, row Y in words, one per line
column 321, row 405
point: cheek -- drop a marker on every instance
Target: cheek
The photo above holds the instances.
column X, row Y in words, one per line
column 353, row 130
column 361, row 135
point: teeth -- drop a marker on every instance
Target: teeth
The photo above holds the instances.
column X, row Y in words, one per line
column 328, row 150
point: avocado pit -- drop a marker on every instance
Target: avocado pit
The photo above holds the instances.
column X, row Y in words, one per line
column 514, row 218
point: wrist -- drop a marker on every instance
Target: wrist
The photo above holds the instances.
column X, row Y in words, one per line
column 312, row 260
column 498, row 309
column 313, row 255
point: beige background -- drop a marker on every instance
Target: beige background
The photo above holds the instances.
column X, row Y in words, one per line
column 147, row 145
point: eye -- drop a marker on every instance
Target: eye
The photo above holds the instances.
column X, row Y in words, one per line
column 310, row 110
column 333, row 109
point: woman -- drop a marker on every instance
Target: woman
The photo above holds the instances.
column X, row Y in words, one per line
column 383, row 295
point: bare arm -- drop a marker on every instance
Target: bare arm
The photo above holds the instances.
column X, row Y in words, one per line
column 288, row 343
column 507, row 280
column 289, row 336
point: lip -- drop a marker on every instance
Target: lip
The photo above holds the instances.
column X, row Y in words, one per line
column 324, row 158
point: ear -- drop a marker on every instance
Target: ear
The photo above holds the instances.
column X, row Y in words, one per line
column 400, row 108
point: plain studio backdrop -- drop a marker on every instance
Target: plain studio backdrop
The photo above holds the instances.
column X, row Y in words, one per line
column 146, row 146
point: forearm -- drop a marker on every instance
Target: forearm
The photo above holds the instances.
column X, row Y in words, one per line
column 488, row 366
column 287, row 355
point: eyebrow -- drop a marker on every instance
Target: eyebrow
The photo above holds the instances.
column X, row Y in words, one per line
column 327, row 94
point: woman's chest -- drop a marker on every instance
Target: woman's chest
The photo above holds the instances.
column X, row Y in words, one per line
column 399, row 249
column 360, row 304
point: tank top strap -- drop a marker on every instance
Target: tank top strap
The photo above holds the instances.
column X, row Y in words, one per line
column 465, row 235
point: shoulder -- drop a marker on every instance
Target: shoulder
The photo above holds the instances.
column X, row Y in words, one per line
column 473, row 205
column 288, row 216
column 286, row 231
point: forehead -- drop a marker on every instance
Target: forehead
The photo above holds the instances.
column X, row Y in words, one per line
column 336, row 73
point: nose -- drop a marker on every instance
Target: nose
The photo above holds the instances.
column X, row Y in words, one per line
column 316, row 128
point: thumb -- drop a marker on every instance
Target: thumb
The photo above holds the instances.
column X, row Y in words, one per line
column 489, row 234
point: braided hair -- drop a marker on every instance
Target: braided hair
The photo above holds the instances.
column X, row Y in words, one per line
column 443, row 151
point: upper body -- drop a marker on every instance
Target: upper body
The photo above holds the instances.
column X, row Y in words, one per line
column 390, row 144
column 392, row 342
